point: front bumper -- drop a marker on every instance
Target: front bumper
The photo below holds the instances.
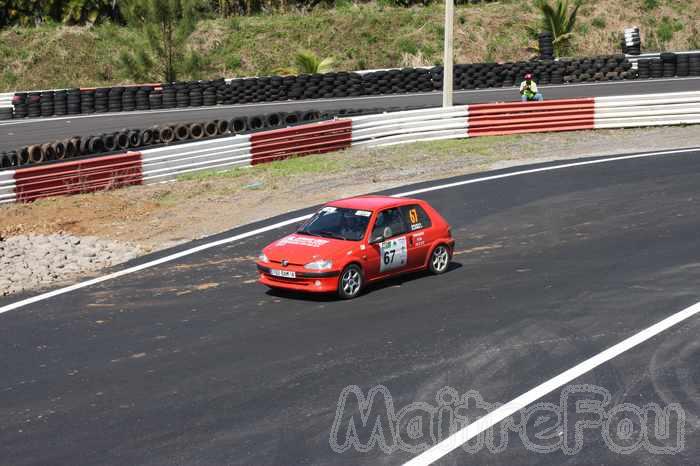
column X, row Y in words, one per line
column 315, row 282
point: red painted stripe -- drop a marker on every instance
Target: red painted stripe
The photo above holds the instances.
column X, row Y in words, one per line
column 496, row 120
column 530, row 106
column 531, row 117
column 80, row 176
column 315, row 138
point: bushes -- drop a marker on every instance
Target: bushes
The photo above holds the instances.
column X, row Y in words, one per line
column 30, row 12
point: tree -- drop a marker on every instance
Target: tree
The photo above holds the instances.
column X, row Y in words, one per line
column 30, row 12
column 306, row 62
column 161, row 51
column 559, row 21
column 88, row 11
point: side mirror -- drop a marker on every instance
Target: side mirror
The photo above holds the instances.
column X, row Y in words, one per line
column 376, row 239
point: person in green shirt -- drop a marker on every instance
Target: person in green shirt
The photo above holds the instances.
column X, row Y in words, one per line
column 528, row 90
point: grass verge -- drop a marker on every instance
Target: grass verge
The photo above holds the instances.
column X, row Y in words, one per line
column 361, row 36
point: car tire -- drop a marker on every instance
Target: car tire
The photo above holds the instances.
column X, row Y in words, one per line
column 439, row 259
column 350, row 282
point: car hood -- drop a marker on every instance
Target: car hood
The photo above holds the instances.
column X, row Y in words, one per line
column 302, row 249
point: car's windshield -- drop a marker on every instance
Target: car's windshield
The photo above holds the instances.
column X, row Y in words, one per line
column 339, row 223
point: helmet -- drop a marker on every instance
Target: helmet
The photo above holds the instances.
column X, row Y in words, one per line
column 528, row 75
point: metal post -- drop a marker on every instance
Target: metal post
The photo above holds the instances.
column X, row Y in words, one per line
column 448, row 59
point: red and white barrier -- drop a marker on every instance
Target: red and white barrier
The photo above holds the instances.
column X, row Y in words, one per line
column 165, row 163
column 7, row 186
column 80, row 176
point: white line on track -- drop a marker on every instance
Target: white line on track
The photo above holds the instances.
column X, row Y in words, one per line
column 321, row 101
column 472, row 430
column 203, row 247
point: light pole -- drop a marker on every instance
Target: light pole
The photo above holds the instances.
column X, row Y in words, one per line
column 448, row 59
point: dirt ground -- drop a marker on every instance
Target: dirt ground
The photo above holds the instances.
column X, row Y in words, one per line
column 159, row 216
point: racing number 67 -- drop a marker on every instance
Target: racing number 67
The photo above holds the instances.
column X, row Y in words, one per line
column 389, row 256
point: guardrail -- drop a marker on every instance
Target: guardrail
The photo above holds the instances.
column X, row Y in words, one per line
column 166, row 163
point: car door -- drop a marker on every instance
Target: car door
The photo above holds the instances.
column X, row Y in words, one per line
column 388, row 247
column 418, row 236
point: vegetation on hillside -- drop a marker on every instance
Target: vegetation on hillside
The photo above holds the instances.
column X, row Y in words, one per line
column 160, row 52
column 559, row 19
column 357, row 36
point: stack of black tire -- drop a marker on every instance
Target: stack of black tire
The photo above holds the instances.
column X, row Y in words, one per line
column 73, row 102
column 87, row 101
column 682, row 65
column 114, row 99
column 104, row 100
column 155, row 100
column 20, row 104
column 46, row 103
column 669, row 65
column 694, row 64
column 341, row 84
column 600, row 68
column 8, row 159
column 6, row 113
column 546, row 46
column 129, row 99
column 60, row 103
column 644, row 68
column 668, row 61
column 631, row 41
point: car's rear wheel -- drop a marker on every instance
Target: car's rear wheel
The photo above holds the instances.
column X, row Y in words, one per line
column 350, row 282
column 439, row 259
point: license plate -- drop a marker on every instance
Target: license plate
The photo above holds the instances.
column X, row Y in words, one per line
column 283, row 273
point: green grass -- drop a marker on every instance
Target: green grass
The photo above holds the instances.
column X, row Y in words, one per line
column 274, row 171
column 358, row 36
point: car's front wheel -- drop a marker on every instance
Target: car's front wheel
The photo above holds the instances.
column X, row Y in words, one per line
column 350, row 282
column 439, row 259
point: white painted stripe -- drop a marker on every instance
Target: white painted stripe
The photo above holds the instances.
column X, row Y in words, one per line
column 435, row 136
column 388, row 131
column 391, row 138
column 7, row 175
column 7, row 186
column 658, row 96
column 437, row 112
column 604, row 111
column 240, row 236
column 153, row 263
column 156, row 161
column 472, row 430
column 148, row 177
column 198, row 145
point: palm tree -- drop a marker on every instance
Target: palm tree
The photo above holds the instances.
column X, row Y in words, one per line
column 306, row 62
column 559, row 21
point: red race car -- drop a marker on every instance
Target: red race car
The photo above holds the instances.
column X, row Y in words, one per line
column 354, row 241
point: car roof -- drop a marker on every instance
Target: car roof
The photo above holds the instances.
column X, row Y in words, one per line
column 371, row 202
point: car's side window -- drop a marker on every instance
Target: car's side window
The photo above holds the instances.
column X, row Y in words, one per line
column 389, row 223
column 415, row 217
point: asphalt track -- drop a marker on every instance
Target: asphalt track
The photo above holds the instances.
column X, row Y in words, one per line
column 192, row 363
column 18, row 133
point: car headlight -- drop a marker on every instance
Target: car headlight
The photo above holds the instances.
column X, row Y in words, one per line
column 263, row 258
column 319, row 265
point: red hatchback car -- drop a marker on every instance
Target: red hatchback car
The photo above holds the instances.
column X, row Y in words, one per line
column 351, row 242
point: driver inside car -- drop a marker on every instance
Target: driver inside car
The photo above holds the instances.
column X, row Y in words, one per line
column 388, row 224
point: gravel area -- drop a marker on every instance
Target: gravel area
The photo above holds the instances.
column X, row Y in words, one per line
column 32, row 261
column 52, row 240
